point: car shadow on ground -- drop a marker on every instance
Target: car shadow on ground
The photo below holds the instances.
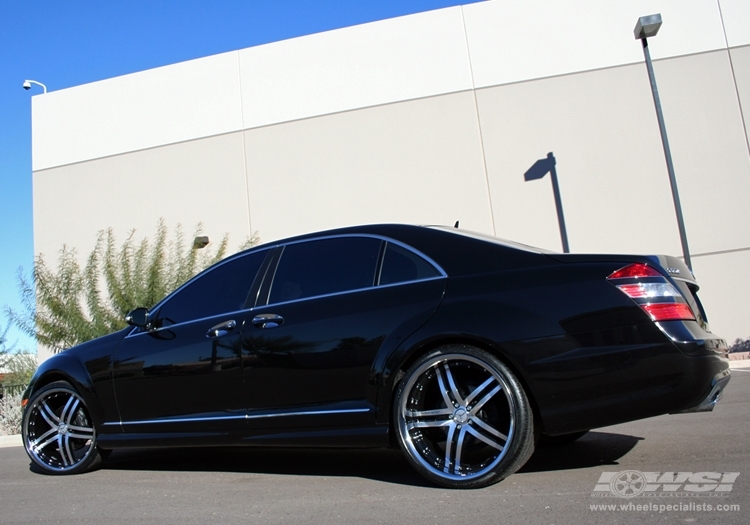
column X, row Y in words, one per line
column 592, row 450
column 387, row 465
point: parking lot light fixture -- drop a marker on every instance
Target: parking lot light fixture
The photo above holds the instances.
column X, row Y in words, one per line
column 648, row 26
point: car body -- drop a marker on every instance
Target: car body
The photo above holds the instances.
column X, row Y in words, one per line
column 462, row 348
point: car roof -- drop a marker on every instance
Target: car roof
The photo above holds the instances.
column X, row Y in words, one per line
column 457, row 251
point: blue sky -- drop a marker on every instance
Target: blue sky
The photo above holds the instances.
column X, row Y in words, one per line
column 73, row 42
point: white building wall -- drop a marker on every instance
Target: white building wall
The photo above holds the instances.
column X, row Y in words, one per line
column 368, row 65
column 166, row 105
column 428, row 118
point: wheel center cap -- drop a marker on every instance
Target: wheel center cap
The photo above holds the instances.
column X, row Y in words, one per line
column 460, row 415
column 62, row 429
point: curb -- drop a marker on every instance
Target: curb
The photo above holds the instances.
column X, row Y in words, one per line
column 11, row 441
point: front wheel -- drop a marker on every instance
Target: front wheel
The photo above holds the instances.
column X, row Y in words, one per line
column 462, row 418
column 58, row 432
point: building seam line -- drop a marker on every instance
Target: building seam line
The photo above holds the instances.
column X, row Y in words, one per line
column 734, row 77
column 479, row 125
column 244, row 148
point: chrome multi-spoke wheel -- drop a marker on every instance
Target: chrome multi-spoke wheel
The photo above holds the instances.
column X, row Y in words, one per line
column 462, row 418
column 58, row 432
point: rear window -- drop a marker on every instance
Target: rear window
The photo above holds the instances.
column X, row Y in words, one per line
column 401, row 265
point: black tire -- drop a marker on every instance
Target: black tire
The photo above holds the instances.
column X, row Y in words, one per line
column 462, row 418
column 556, row 441
column 58, row 432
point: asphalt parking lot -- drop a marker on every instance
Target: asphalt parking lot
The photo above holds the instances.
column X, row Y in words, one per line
column 268, row 486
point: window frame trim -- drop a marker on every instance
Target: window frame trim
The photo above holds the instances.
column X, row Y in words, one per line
column 267, row 286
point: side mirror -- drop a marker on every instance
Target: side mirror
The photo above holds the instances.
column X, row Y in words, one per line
column 138, row 317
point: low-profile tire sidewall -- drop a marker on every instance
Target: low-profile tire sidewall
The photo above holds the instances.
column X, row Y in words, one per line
column 521, row 442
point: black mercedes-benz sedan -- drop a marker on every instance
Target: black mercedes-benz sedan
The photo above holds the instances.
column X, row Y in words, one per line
column 462, row 349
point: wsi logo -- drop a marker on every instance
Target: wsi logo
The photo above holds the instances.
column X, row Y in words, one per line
column 632, row 483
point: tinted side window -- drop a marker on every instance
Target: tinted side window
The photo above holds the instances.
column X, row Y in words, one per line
column 222, row 289
column 401, row 265
column 308, row 269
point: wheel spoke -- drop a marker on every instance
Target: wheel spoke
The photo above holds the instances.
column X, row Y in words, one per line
column 87, row 430
column 476, row 408
column 478, row 390
column 49, row 416
column 487, row 428
column 459, row 449
column 452, row 384
column 484, row 438
column 448, row 463
column 454, row 446
column 36, row 447
column 44, row 436
column 64, row 448
column 443, row 389
column 425, row 413
column 69, row 410
column 424, row 424
column 81, row 436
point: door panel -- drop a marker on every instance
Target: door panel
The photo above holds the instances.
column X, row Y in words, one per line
column 320, row 358
column 184, row 374
column 177, row 379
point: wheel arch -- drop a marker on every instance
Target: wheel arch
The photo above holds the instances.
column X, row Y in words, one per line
column 66, row 368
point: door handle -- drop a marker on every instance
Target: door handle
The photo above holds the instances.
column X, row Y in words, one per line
column 221, row 329
column 268, row 320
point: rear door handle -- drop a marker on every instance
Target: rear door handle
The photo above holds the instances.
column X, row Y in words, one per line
column 268, row 320
column 221, row 329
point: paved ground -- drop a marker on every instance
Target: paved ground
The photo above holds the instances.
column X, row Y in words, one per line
column 305, row 486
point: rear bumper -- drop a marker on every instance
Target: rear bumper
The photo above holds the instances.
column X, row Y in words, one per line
column 613, row 384
column 718, row 384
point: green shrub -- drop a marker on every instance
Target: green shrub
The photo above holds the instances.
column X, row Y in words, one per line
column 70, row 305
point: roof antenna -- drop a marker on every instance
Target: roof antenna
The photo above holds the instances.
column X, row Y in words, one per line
column 456, row 225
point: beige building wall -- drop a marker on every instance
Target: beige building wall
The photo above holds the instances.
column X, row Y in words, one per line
column 429, row 118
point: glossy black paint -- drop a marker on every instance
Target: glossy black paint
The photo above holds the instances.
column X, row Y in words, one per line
column 321, row 370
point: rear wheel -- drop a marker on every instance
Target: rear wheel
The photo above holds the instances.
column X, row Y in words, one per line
column 462, row 418
column 58, row 432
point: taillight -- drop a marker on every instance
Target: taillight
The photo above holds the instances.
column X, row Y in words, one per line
column 652, row 292
column 635, row 271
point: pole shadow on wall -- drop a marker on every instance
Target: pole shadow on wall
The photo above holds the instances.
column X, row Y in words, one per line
column 538, row 171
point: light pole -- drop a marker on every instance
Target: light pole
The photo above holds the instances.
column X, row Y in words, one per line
column 27, row 85
column 648, row 26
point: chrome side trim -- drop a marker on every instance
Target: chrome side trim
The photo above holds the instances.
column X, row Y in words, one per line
column 245, row 416
column 311, row 413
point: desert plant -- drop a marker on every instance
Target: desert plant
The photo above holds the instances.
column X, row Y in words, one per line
column 11, row 414
column 740, row 345
column 5, row 350
column 19, row 367
column 70, row 305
